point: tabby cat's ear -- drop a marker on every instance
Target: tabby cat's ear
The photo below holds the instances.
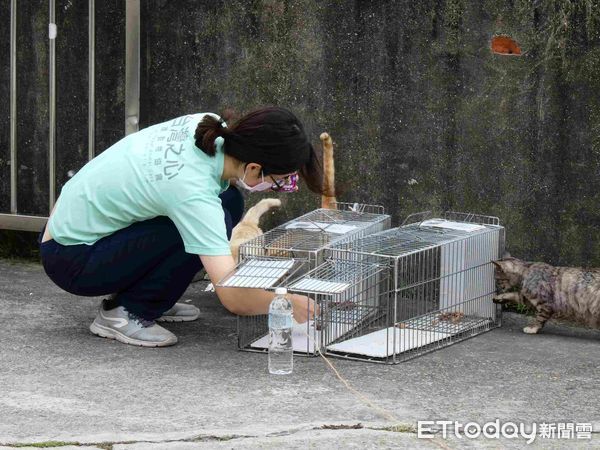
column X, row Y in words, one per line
column 498, row 264
column 506, row 255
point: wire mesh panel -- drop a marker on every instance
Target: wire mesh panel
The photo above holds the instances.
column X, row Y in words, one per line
column 305, row 239
column 349, row 295
column 263, row 273
column 442, row 285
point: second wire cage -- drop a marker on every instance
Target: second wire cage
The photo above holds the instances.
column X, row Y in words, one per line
column 440, row 287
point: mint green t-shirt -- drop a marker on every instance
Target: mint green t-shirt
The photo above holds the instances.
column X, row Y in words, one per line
column 157, row 171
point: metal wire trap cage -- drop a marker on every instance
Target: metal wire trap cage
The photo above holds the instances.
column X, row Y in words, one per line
column 305, row 239
column 441, row 285
column 307, row 236
column 350, row 295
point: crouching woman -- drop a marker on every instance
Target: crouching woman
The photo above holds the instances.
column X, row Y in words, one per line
column 141, row 219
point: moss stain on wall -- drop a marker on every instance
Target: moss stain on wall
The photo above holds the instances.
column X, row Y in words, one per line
column 423, row 114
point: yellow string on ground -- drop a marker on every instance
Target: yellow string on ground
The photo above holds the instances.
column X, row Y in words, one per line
column 383, row 412
column 363, row 398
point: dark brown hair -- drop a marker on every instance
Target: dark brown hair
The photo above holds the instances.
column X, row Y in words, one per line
column 272, row 137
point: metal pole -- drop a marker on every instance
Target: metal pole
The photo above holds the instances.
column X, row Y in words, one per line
column 132, row 66
column 91, row 79
column 13, row 106
column 52, row 31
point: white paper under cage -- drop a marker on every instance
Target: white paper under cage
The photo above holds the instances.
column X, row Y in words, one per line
column 301, row 342
column 380, row 344
column 299, row 339
column 257, row 273
column 321, row 286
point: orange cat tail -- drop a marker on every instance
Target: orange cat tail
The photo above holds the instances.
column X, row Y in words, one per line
column 328, row 199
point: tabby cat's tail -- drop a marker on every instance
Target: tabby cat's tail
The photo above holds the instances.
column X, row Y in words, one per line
column 254, row 214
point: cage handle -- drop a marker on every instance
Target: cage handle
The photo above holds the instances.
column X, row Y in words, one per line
column 357, row 208
column 321, row 229
column 425, row 215
column 360, row 208
column 410, row 235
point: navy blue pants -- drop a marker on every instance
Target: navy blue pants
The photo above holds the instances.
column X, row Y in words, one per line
column 145, row 264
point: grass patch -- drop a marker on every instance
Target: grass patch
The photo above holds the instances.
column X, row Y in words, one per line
column 400, row 428
column 519, row 308
column 47, row 444
column 213, row 438
column 19, row 245
column 357, row 426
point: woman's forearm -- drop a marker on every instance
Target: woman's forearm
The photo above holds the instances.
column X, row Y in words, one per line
column 252, row 302
column 245, row 301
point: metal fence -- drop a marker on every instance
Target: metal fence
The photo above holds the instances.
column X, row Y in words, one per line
column 14, row 220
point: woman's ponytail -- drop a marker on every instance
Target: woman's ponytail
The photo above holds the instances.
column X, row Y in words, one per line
column 209, row 129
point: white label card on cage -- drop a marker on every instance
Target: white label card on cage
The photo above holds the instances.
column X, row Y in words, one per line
column 314, row 285
column 334, row 228
column 459, row 226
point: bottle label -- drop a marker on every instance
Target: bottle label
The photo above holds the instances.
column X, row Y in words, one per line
column 280, row 321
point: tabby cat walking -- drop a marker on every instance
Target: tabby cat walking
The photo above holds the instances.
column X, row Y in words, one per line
column 567, row 293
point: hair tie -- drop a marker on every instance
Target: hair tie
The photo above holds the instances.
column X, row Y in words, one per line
column 219, row 128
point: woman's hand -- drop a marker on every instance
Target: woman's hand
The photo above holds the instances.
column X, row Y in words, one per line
column 304, row 307
column 251, row 302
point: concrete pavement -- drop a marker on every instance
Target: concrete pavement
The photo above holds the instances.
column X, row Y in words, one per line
column 60, row 383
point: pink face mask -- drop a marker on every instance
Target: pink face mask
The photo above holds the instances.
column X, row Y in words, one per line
column 262, row 186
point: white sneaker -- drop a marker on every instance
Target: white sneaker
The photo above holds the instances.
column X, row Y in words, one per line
column 126, row 327
column 180, row 312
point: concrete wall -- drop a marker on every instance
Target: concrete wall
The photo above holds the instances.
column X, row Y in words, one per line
column 423, row 114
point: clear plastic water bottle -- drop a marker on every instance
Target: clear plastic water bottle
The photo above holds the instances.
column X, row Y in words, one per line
column 281, row 350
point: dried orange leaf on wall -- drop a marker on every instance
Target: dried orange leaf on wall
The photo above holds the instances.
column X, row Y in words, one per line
column 504, row 45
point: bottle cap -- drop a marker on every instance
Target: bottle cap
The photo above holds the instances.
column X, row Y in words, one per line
column 280, row 291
